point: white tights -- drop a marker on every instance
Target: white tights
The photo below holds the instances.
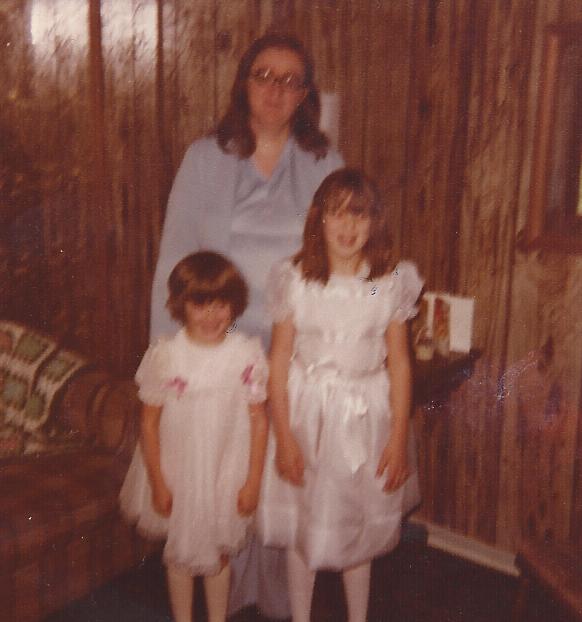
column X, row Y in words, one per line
column 181, row 592
column 301, row 580
column 357, row 589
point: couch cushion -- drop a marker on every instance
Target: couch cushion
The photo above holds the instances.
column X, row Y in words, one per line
column 47, row 500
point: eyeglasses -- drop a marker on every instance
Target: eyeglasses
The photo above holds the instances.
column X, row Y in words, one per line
column 291, row 82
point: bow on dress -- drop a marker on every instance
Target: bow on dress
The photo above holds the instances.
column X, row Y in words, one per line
column 332, row 427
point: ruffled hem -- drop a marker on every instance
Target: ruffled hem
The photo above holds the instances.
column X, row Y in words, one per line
column 326, row 547
column 209, row 568
column 194, row 569
column 145, row 531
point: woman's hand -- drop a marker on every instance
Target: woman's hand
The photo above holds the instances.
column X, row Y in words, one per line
column 289, row 460
column 394, row 463
column 162, row 499
column 248, row 498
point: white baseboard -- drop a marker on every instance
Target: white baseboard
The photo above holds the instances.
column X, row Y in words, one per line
column 467, row 548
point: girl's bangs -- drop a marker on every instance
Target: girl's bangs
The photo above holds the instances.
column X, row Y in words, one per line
column 202, row 298
column 347, row 199
column 224, row 292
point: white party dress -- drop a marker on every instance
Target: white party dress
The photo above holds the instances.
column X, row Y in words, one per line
column 339, row 412
column 205, row 392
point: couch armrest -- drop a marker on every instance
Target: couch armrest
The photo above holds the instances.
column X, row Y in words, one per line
column 116, row 418
column 102, row 411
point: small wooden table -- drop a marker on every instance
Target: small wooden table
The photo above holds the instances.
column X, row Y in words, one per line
column 434, row 380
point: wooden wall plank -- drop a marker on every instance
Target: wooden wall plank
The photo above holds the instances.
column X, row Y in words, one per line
column 389, row 28
column 541, row 423
column 237, row 25
column 353, row 87
column 495, row 112
column 19, row 175
column 47, row 109
column 451, row 437
column 435, row 126
column 189, row 38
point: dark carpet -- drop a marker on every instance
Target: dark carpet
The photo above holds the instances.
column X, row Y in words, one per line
column 412, row 584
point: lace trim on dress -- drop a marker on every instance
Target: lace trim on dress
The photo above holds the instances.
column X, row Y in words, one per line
column 205, row 570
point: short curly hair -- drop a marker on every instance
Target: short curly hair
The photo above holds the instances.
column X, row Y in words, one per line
column 203, row 277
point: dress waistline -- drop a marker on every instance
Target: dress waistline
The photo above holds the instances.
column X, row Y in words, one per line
column 335, row 425
column 328, row 366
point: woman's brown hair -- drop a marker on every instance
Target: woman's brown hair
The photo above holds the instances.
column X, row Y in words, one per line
column 349, row 189
column 204, row 277
column 234, row 133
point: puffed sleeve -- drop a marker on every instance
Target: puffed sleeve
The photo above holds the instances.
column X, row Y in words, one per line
column 153, row 373
column 256, row 373
column 278, row 293
column 408, row 285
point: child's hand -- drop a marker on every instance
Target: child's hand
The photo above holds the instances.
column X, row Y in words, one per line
column 289, row 461
column 394, row 462
column 162, row 499
column 248, row 498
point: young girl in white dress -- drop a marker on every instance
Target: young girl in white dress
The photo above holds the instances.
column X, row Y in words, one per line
column 343, row 472
column 195, row 476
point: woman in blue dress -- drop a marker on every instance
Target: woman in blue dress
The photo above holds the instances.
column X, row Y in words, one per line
column 244, row 191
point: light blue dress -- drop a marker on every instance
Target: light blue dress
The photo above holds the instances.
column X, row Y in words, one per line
column 223, row 203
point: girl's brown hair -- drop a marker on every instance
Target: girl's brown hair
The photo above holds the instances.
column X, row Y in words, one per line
column 203, row 277
column 234, row 133
column 350, row 189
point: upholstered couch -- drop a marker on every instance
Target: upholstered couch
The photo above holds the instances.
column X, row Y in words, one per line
column 67, row 432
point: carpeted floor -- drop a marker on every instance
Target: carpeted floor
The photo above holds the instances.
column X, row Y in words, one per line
column 412, row 584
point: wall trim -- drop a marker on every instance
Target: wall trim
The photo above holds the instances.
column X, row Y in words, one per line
column 467, row 548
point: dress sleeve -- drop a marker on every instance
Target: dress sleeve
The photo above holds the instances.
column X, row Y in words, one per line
column 152, row 374
column 278, row 293
column 178, row 238
column 407, row 290
column 256, row 373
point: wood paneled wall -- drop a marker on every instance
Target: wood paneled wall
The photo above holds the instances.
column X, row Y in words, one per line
column 438, row 103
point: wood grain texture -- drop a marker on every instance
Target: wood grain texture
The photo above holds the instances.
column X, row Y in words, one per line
column 190, row 73
column 389, row 27
column 540, row 474
column 495, row 134
column 512, row 475
column 436, row 136
column 438, row 102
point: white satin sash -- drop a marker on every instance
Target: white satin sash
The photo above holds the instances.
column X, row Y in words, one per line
column 334, row 427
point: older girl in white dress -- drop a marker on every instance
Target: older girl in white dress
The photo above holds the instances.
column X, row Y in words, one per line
column 343, row 473
column 195, row 476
